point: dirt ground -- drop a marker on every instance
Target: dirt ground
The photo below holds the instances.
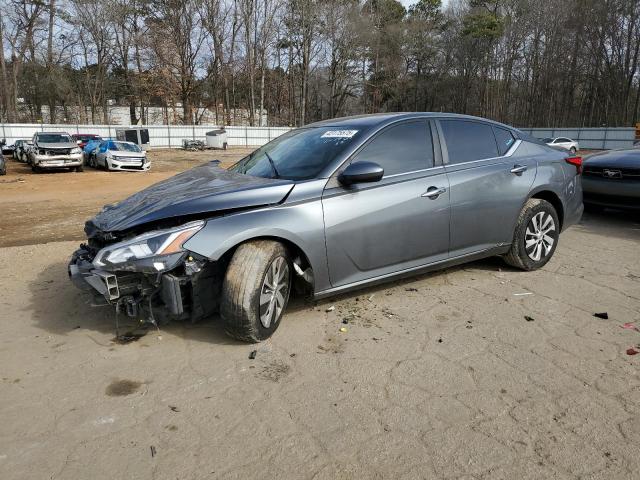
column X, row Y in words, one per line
column 474, row 372
column 49, row 207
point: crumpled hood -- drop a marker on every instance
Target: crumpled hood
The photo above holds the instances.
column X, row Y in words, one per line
column 615, row 159
column 204, row 189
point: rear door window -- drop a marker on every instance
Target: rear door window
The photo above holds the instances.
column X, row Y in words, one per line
column 468, row 141
column 504, row 139
column 402, row 148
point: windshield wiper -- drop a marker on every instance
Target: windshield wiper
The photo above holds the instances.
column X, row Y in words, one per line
column 273, row 165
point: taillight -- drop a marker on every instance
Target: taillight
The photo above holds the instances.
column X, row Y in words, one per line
column 576, row 162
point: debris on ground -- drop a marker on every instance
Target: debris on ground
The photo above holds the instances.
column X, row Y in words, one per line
column 343, row 329
column 128, row 337
column 153, row 451
column 253, row 354
column 440, row 340
column 330, row 309
column 174, row 409
column 603, row 315
column 345, row 321
column 522, row 294
column 632, row 351
column 528, row 318
column 410, row 289
column 630, row 326
column 371, row 297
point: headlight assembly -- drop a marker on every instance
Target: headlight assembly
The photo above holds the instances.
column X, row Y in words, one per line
column 153, row 251
column 76, row 150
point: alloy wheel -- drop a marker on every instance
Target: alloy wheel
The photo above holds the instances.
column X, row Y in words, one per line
column 540, row 236
column 274, row 292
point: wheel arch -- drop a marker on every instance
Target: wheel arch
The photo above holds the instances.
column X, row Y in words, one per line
column 554, row 199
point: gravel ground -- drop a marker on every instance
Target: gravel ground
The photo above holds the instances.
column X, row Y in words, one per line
column 474, row 372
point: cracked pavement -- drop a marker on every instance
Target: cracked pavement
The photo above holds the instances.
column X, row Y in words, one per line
column 439, row 376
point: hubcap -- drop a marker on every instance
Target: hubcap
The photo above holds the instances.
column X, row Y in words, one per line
column 274, row 292
column 540, row 236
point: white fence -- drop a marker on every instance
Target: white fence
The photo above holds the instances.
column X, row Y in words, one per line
column 160, row 136
column 170, row 136
column 590, row 138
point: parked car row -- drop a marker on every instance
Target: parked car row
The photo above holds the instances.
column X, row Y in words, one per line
column 59, row 150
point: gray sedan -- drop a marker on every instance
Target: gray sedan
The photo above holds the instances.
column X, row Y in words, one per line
column 331, row 207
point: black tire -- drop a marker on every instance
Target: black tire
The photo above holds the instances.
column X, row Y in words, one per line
column 573, row 150
column 80, row 169
column 523, row 257
column 35, row 169
column 244, row 284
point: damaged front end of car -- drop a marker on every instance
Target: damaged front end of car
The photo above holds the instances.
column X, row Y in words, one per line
column 149, row 276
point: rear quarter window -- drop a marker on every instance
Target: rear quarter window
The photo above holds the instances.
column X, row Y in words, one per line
column 504, row 139
column 468, row 141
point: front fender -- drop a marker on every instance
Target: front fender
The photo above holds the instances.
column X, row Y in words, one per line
column 301, row 224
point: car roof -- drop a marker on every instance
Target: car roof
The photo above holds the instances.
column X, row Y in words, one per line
column 379, row 119
column 52, row 133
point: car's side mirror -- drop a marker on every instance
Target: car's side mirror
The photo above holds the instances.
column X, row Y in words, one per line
column 361, row 172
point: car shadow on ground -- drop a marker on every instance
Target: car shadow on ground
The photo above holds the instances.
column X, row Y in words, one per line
column 59, row 308
column 623, row 224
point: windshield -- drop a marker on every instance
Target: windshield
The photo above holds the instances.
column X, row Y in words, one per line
column 297, row 155
column 54, row 138
column 547, row 140
column 124, row 147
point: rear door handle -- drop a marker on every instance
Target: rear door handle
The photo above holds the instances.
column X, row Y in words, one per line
column 434, row 192
column 518, row 169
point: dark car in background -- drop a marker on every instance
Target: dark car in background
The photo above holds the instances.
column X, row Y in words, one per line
column 3, row 165
column 20, row 150
column 5, row 148
column 83, row 138
column 612, row 179
column 333, row 206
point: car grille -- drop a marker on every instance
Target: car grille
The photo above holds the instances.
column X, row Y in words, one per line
column 612, row 173
column 58, row 151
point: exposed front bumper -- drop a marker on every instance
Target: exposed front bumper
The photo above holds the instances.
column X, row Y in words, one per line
column 187, row 291
column 57, row 161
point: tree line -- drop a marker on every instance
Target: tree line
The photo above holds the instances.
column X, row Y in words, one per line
column 523, row 62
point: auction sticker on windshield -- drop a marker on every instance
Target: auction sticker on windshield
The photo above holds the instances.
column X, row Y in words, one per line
column 339, row 133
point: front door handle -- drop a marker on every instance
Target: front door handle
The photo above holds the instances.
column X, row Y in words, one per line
column 519, row 169
column 434, row 192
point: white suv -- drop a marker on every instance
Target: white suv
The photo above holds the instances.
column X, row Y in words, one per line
column 563, row 143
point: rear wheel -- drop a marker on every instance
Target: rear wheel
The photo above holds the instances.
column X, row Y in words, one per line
column 535, row 237
column 255, row 291
column 573, row 150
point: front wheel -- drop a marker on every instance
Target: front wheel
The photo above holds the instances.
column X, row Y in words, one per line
column 255, row 291
column 535, row 237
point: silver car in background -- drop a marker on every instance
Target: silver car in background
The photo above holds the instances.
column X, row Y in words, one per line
column 562, row 143
column 54, row 151
column 119, row 155
column 333, row 206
